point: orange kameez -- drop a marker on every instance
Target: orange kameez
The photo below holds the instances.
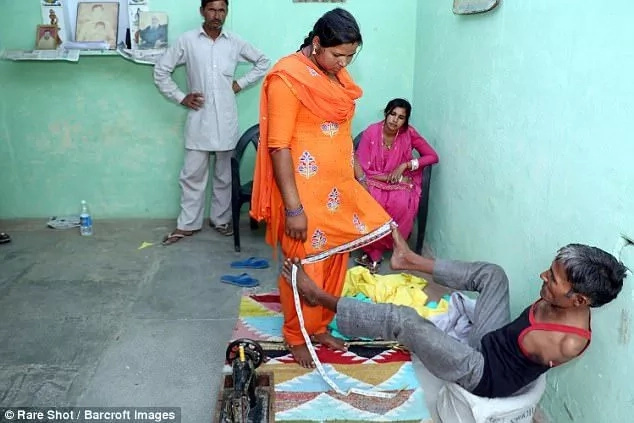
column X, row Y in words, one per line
column 303, row 110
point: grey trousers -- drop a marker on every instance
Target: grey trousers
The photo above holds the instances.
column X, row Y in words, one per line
column 445, row 357
column 193, row 181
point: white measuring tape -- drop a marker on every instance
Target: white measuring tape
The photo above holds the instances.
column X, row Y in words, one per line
column 313, row 353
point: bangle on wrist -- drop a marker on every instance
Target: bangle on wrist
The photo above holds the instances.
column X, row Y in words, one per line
column 294, row 212
column 413, row 164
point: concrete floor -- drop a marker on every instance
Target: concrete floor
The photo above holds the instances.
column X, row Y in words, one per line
column 94, row 321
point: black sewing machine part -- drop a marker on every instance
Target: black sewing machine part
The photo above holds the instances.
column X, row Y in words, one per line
column 251, row 348
column 244, row 355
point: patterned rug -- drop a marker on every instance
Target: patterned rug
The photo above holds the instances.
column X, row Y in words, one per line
column 301, row 395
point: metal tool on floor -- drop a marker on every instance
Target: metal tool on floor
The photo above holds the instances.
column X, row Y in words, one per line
column 246, row 395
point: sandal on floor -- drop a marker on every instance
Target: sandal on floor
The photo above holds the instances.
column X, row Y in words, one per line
column 251, row 263
column 225, row 229
column 4, row 238
column 243, row 280
column 174, row 237
column 365, row 261
column 374, row 267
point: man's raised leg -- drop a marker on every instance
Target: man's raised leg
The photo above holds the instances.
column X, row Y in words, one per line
column 445, row 357
column 489, row 280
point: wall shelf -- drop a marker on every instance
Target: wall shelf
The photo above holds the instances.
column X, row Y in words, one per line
column 144, row 57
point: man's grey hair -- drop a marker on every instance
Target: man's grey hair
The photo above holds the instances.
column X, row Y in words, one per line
column 592, row 272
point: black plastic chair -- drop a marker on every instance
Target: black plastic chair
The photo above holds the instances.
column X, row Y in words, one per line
column 423, row 204
column 241, row 193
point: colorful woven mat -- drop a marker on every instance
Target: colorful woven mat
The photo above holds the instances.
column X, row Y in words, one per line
column 301, row 395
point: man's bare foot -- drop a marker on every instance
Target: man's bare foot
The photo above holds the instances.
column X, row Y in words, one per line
column 330, row 341
column 302, row 356
column 403, row 258
column 305, row 286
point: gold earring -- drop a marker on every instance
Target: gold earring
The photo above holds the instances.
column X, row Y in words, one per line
column 314, row 49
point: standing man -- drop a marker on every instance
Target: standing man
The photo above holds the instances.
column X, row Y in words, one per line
column 210, row 55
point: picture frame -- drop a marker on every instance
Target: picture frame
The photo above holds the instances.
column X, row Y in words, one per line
column 46, row 37
column 152, row 32
column 52, row 13
column 98, row 21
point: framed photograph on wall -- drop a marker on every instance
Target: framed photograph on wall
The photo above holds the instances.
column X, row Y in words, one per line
column 53, row 14
column 135, row 7
column 98, row 21
column 152, row 31
column 46, row 37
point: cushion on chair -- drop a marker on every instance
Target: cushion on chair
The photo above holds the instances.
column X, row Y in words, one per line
column 456, row 405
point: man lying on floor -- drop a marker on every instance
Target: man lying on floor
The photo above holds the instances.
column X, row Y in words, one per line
column 502, row 356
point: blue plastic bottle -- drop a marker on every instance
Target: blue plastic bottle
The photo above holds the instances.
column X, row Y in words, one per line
column 85, row 220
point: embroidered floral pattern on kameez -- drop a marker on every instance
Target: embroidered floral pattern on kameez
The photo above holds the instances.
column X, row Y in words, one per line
column 334, row 200
column 330, row 128
column 307, row 165
column 359, row 224
column 318, row 240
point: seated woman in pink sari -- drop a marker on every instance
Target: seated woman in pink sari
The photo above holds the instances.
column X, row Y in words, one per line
column 385, row 164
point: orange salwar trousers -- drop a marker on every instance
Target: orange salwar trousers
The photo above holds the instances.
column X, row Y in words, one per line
column 328, row 274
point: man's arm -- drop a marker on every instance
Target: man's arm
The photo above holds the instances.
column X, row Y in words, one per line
column 571, row 346
column 163, row 69
column 260, row 62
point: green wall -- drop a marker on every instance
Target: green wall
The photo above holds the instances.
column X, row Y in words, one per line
column 530, row 109
column 99, row 130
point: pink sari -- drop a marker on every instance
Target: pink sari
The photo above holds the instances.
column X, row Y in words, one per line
column 401, row 200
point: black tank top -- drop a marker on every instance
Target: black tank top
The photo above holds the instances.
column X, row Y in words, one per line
column 507, row 368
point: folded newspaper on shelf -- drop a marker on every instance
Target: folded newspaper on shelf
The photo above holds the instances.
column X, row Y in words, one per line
column 69, row 55
column 146, row 57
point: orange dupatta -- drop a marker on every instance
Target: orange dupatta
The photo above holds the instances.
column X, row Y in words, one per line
column 331, row 102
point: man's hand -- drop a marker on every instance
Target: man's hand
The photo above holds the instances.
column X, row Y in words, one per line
column 193, row 101
column 296, row 227
column 236, row 87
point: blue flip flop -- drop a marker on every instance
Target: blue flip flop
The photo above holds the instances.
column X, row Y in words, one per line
column 243, row 280
column 251, row 263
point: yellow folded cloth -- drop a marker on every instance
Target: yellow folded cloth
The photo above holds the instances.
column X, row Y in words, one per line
column 400, row 289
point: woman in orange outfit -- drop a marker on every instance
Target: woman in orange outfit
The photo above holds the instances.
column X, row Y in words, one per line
column 304, row 185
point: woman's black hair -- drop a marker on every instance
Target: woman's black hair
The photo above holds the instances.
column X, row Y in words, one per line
column 334, row 28
column 399, row 102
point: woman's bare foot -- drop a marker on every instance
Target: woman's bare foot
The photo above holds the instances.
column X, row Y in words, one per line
column 302, row 356
column 403, row 258
column 305, row 286
column 330, row 341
